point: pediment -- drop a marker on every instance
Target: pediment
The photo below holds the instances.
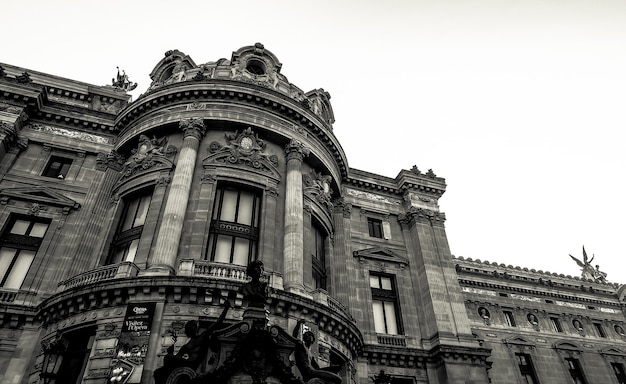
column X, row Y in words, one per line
column 567, row 346
column 381, row 254
column 613, row 351
column 38, row 194
column 518, row 340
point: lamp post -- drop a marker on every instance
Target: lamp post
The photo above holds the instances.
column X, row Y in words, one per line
column 382, row 378
column 52, row 359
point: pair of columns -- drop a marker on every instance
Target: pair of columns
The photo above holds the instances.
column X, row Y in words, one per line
column 168, row 238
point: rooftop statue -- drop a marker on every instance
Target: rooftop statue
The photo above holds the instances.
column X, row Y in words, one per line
column 122, row 83
column 588, row 271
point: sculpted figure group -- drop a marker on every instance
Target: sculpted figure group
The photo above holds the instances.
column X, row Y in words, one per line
column 255, row 294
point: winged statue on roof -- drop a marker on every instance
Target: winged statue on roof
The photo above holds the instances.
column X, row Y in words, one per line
column 588, row 271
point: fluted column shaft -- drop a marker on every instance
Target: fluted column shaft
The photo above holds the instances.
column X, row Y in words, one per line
column 166, row 248
column 294, row 226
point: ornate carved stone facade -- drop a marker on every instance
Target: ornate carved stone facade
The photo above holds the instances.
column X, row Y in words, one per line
column 108, row 205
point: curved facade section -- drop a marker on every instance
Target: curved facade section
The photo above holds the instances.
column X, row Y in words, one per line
column 126, row 226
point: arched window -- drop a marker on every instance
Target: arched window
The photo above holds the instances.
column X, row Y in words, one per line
column 131, row 225
column 234, row 229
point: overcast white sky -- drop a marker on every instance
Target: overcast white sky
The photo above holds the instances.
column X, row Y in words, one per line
column 518, row 104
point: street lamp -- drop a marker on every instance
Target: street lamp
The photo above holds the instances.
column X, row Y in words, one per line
column 382, row 378
column 52, row 358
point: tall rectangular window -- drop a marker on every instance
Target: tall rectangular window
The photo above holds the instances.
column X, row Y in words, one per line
column 375, row 227
column 619, row 371
column 234, row 229
column 385, row 304
column 57, row 167
column 599, row 329
column 318, row 256
column 526, row 369
column 509, row 319
column 556, row 324
column 18, row 245
column 126, row 240
column 575, row 371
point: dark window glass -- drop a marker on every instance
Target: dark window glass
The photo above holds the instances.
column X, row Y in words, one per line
column 78, row 348
column 509, row 319
column 575, row 371
column 600, row 329
column 18, row 245
column 318, row 256
column 131, row 225
column 620, row 374
column 234, row 229
column 57, row 167
column 375, row 228
column 385, row 304
column 556, row 324
column 526, row 369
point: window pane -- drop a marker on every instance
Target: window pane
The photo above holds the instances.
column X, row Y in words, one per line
column 222, row 249
column 229, row 206
column 6, row 257
column 20, row 227
column 246, row 201
column 38, row 230
column 374, row 282
column 385, row 283
column 142, row 211
column 218, row 198
column 379, row 317
column 390, row 318
column 20, row 268
column 132, row 250
column 130, row 215
column 240, row 254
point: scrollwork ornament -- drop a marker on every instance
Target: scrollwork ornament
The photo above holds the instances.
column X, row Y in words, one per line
column 208, row 178
column 163, row 181
column 272, row 191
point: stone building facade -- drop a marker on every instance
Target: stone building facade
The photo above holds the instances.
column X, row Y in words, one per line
column 120, row 221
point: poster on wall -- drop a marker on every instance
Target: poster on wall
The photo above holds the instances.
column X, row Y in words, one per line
column 132, row 344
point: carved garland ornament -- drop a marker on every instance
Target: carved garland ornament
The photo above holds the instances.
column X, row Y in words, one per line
column 246, row 149
column 318, row 187
column 149, row 153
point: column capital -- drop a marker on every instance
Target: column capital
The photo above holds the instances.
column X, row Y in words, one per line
column 193, row 127
column 415, row 215
column 341, row 206
column 111, row 160
column 296, row 150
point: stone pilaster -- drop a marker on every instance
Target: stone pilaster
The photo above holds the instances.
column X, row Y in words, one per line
column 294, row 215
column 267, row 252
column 341, row 255
column 164, row 258
column 203, row 213
column 94, row 209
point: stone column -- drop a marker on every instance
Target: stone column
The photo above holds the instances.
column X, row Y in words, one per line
column 164, row 258
column 294, row 227
column 342, row 258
